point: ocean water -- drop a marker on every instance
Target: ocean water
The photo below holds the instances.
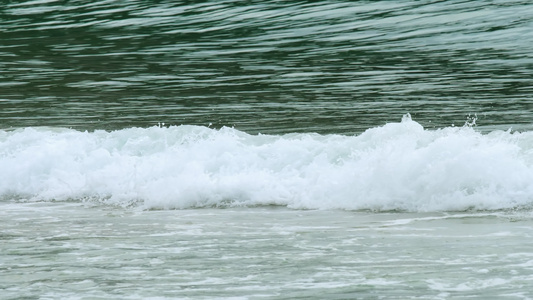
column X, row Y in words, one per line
column 276, row 150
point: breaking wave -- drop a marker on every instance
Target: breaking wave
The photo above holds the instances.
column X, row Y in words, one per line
column 398, row 166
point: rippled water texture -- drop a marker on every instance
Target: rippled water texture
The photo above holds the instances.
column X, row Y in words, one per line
column 271, row 67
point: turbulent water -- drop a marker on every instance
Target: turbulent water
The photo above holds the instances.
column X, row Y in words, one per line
column 400, row 166
column 276, row 149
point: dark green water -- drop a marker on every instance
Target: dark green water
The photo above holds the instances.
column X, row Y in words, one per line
column 270, row 67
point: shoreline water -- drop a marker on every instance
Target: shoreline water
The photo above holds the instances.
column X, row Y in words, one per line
column 74, row 250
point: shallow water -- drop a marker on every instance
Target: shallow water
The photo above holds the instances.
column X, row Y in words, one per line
column 72, row 251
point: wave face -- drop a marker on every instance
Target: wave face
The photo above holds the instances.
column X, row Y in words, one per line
column 399, row 166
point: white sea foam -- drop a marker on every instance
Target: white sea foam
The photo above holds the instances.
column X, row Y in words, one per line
column 399, row 166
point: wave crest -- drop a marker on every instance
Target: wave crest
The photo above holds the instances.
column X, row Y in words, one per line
column 399, row 166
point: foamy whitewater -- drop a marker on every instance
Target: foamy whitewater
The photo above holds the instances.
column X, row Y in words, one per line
column 399, row 166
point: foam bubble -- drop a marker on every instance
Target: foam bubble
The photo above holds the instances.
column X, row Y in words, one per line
column 399, row 166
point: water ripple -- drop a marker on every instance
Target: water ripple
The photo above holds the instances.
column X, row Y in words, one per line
column 324, row 66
